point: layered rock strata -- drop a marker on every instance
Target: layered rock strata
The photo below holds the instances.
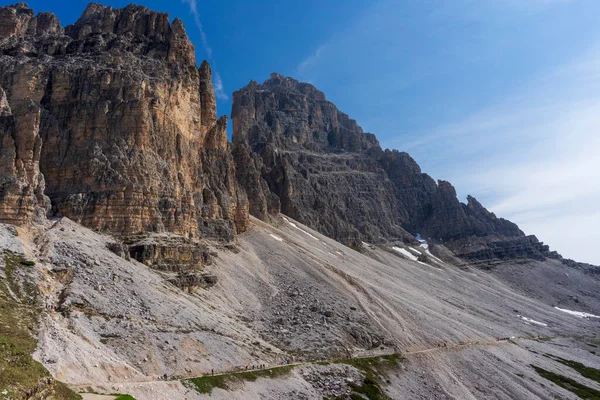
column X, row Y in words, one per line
column 110, row 123
column 168, row 252
column 297, row 154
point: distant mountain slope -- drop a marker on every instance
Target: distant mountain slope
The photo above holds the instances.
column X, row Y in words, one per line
column 295, row 152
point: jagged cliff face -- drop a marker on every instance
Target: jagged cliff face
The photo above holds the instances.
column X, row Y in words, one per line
column 110, row 123
column 296, row 153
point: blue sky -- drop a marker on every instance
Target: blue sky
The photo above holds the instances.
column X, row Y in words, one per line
column 500, row 97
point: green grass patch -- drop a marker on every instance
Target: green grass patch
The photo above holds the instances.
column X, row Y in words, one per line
column 20, row 309
column 584, row 392
column 369, row 387
column 588, row 372
column 205, row 384
column 373, row 367
column 122, row 396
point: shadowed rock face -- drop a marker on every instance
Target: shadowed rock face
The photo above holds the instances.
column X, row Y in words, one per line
column 296, row 153
column 111, row 121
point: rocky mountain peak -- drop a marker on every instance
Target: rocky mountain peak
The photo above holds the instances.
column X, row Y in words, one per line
column 296, row 153
column 299, row 115
column 104, row 28
column 112, row 125
column 133, row 19
column 18, row 20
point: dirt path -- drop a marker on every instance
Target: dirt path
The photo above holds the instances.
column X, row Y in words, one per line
column 441, row 347
column 94, row 396
column 233, row 372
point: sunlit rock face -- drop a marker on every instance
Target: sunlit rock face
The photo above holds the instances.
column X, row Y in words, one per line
column 111, row 123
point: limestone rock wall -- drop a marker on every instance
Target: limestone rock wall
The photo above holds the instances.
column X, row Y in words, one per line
column 111, row 120
column 22, row 186
column 297, row 154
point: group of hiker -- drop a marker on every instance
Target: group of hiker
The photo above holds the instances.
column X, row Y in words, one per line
column 252, row 367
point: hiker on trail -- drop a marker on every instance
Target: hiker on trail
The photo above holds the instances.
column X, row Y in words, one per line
column 212, row 371
column 246, row 367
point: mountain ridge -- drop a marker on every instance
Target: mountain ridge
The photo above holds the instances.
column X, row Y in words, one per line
column 291, row 144
column 292, row 150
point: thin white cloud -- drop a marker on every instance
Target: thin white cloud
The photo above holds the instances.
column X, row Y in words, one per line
column 219, row 91
column 218, row 83
column 532, row 157
column 311, row 60
column 535, row 157
column 193, row 5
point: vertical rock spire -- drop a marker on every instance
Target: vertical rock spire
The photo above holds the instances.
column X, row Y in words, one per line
column 207, row 95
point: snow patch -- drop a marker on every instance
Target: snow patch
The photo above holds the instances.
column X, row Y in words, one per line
column 532, row 321
column 578, row 313
column 423, row 242
column 276, row 237
column 300, row 229
column 405, row 253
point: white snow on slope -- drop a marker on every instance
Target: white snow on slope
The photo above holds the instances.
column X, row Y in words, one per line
column 423, row 242
column 276, row 237
column 532, row 321
column 300, row 229
column 405, row 253
column 578, row 313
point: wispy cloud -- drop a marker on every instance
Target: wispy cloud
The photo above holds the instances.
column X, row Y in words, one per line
column 311, row 60
column 193, row 5
column 218, row 83
column 534, row 158
column 219, row 91
column 530, row 151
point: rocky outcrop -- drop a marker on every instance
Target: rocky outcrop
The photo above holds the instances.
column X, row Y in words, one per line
column 168, row 252
column 297, row 154
column 488, row 249
column 111, row 121
column 191, row 281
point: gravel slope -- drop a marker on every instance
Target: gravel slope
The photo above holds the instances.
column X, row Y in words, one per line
column 286, row 294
